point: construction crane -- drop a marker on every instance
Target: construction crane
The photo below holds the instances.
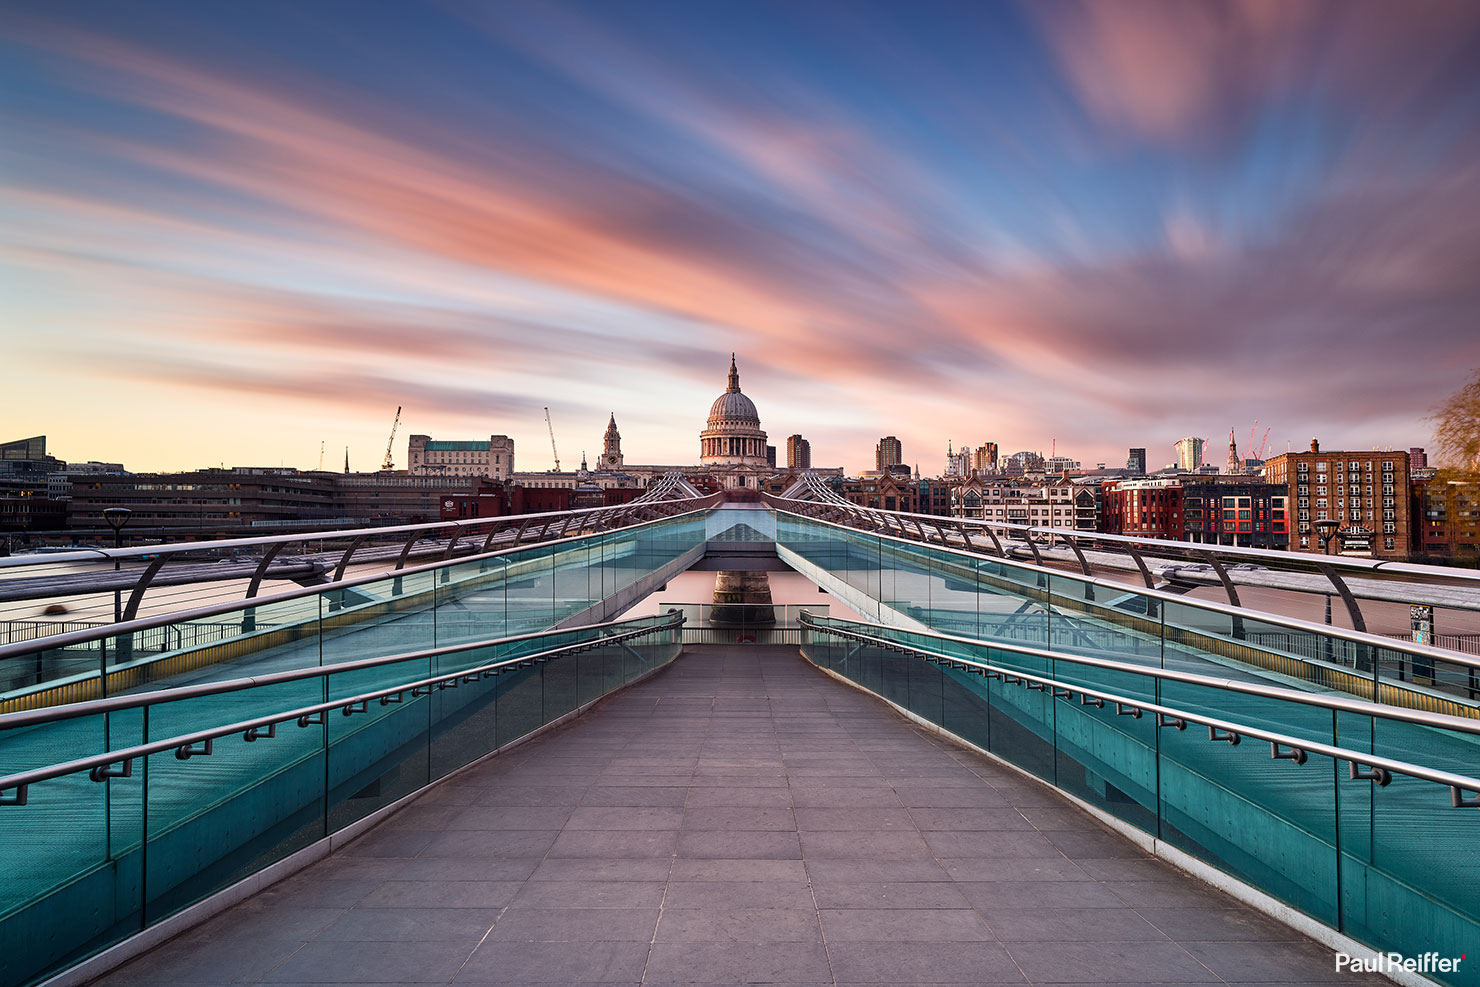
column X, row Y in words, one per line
column 553, row 450
column 388, row 464
column 321, row 456
column 1263, row 444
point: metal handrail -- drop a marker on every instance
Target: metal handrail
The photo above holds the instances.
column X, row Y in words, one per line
column 1179, row 547
column 160, row 620
column 304, row 716
column 1264, row 616
column 48, row 714
column 1377, row 768
column 334, row 534
column 1342, row 704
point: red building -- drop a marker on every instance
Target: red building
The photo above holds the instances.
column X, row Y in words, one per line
column 1446, row 518
column 487, row 498
column 1148, row 508
column 1368, row 492
column 1235, row 510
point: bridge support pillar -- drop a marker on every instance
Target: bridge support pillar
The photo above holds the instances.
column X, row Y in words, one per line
column 742, row 598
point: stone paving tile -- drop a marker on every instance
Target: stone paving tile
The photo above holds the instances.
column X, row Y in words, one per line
column 391, row 843
column 739, row 844
column 590, row 894
column 408, row 924
column 568, row 795
column 865, row 845
column 326, row 962
column 1084, row 844
column 1214, row 924
column 738, row 963
column 709, row 869
column 991, row 845
column 501, row 843
column 576, row 925
column 855, row 818
column 1013, row 869
column 887, row 894
column 496, row 962
column 728, row 923
column 999, row 895
column 739, row 894
column 738, row 819
column 1109, row 962
column 254, row 920
column 910, row 925
column 1261, row 961
column 509, row 817
column 1070, row 923
column 442, row 894
column 625, row 817
column 838, row 796
column 310, row 890
column 774, row 818
column 841, row 870
column 597, row 870
column 998, row 820
column 741, row 796
column 665, row 795
column 186, row 961
column 895, row 962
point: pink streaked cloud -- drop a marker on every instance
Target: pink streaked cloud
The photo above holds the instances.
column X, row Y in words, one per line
column 292, row 237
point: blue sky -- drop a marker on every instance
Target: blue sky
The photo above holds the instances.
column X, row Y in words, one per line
column 231, row 232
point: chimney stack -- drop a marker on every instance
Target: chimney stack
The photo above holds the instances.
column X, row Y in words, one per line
column 1315, row 446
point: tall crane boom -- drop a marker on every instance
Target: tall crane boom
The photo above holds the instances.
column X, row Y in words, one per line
column 388, row 463
column 555, row 452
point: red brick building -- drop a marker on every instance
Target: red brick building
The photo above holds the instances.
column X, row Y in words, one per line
column 1367, row 491
column 1147, row 508
column 1446, row 518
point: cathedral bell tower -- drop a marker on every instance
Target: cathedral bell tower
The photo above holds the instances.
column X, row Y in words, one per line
column 611, row 448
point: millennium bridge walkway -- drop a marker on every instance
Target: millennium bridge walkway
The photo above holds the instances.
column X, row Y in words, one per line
column 470, row 768
column 739, row 818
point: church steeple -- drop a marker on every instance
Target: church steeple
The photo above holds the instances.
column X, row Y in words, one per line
column 611, row 446
column 734, row 387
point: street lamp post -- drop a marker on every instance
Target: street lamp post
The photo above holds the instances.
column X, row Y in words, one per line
column 117, row 517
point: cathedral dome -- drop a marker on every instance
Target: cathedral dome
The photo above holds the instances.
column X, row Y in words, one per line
column 733, row 435
column 732, row 406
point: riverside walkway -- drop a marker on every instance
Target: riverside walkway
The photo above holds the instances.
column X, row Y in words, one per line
column 739, row 818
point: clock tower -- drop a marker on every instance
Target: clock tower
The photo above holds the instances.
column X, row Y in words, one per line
column 611, row 448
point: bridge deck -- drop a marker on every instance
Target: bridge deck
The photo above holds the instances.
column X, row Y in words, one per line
column 739, row 818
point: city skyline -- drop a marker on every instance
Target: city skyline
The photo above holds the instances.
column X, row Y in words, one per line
column 232, row 235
